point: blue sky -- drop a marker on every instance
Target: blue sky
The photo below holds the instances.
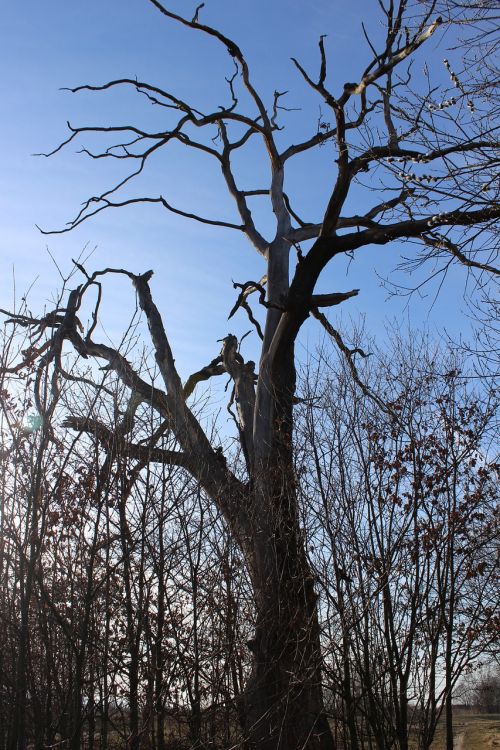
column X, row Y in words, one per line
column 46, row 46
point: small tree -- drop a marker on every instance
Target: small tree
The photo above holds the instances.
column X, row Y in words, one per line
column 431, row 159
column 481, row 691
column 401, row 516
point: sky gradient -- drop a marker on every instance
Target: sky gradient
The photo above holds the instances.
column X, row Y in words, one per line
column 46, row 46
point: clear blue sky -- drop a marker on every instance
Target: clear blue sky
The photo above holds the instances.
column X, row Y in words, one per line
column 45, row 46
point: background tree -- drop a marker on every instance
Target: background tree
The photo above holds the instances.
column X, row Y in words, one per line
column 401, row 516
column 399, row 512
column 481, row 691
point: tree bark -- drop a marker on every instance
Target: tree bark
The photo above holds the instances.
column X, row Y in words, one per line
column 285, row 708
column 284, row 701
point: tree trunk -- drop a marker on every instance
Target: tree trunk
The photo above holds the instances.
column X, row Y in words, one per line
column 285, row 709
column 18, row 738
column 76, row 714
column 284, row 696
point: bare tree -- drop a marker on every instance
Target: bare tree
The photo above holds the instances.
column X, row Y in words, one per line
column 401, row 519
column 430, row 155
column 482, row 690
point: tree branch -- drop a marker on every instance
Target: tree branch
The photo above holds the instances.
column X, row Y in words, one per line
column 214, row 368
column 329, row 300
column 349, row 357
column 243, row 376
column 117, row 443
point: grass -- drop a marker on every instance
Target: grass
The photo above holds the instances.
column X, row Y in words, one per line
column 472, row 732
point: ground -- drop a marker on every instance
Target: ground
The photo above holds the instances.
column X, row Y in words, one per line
column 473, row 732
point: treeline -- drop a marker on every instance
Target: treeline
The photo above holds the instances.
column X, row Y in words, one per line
column 480, row 690
column 401, row 508
column 126, row 616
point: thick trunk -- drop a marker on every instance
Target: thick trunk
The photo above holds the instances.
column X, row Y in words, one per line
column 284, row 702
column 284, row 699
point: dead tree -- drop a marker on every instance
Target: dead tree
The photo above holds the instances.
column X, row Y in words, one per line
column 437, row 195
